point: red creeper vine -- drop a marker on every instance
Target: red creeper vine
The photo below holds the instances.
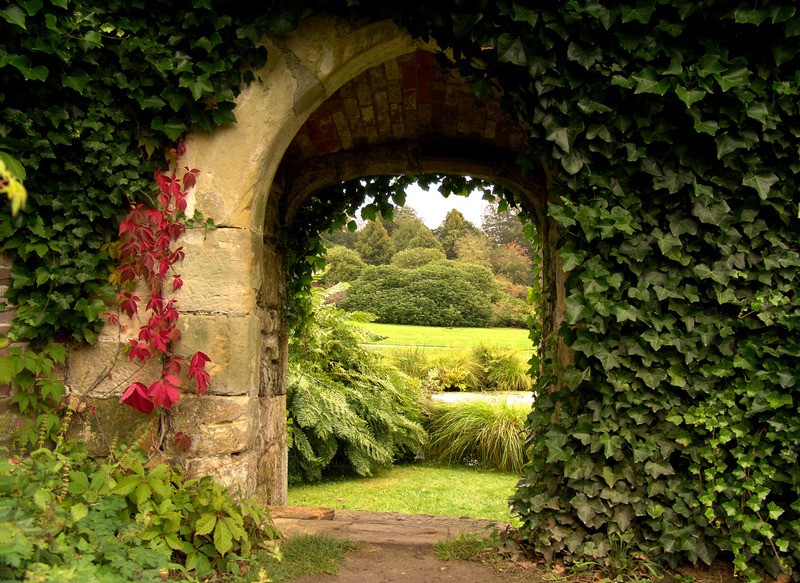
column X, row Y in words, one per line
column 146, row 252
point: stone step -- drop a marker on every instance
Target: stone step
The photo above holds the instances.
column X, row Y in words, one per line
column 383, row 528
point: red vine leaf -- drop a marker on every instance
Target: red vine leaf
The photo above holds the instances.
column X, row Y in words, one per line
column 197, row 371
column 182, row 442
column 138, row 396
column 165, row 392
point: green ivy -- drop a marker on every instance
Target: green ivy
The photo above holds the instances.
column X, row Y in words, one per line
column 91, row 93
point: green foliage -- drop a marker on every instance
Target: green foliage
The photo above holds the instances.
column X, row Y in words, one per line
column 416, row 257
column 436, row 294
column 501, row 369
column 510, row 312
column 452, row 229
column 374, row 244
column 67, row 517
column 34, row 379
column 490, row 433
column 343, row 265
column 97, row 90
column 345, row 405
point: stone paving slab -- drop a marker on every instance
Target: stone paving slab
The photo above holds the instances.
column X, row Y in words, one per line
column 386, row 528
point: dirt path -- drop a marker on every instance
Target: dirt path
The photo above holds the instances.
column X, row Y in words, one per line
column 399, row 548
column 409, row 564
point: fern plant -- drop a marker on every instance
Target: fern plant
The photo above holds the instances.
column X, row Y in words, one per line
column 345, row 404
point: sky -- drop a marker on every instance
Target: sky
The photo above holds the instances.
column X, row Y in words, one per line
column 432, row 207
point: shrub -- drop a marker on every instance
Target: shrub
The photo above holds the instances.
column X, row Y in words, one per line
column 416, row 257
column 343, row 264
column 344, row 404
column 490, row 433
column 510, row 312
column 455, row 371
column 65, row 516
column 437, row 294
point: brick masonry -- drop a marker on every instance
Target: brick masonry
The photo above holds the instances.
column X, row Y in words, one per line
column 408, row 98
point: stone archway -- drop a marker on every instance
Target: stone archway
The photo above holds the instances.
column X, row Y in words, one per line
column 335, row 101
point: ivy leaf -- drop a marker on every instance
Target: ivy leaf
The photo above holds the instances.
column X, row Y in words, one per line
column 762, row 183
column 23, row 65
column 711, row 214
column 689, row 96
column 511, row 50
column 750, row 16
column 77, row 80
column 647, row 81
column 14, row 15
column 583, row 56
column 642, row 12
column 173, row 129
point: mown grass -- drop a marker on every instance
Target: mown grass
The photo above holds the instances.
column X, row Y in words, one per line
column 301, row 555
column 426, row 488
column 430, row 336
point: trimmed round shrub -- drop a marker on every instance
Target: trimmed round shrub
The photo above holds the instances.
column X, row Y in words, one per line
column 416, row 257
column 437, row 294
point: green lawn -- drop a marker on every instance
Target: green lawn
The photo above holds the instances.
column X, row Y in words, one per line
column 425, row 488
column 428, row 336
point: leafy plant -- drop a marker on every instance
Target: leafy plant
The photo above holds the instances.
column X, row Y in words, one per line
column 34, row 380
column 67, row 517
column 345, row 403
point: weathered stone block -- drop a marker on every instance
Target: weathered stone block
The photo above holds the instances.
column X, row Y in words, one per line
column 272, row 412
column 216, row 425
column 238, row 473
column 104, row 370
column 273, row 472
column 222, row 271
column 113, row 422
column 234, row 346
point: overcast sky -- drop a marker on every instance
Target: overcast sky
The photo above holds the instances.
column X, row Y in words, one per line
column 432, row 207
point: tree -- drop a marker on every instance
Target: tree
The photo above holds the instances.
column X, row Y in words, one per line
column 452, row 228
column 511, row 262
column 374, row 244
column 443, row 293
column 409, row 232
column 475, row 248
column 504, row 227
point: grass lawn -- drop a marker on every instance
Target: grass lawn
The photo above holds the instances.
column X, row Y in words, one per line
column 429, row 336
column 425, row 488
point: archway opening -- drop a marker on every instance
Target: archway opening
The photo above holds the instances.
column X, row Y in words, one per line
column 405, row 120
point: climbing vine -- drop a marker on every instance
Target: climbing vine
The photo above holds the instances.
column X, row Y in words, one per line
column 674, row 131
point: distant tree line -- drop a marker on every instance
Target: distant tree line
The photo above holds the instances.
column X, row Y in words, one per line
column 454, row 275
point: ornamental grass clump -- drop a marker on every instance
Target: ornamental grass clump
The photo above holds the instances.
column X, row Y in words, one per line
column 487, row 432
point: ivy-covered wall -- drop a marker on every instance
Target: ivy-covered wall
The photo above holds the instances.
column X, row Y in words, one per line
column 670, row 132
